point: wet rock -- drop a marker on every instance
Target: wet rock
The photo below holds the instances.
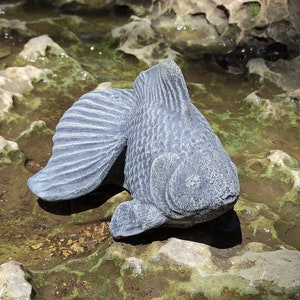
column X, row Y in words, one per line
column 284, row 73
column 57, row 67
column 12, row 3
column 276, row 177
column 38, row 46
column 17, row 80
column 9, row 152
column 280, row 167
column 13, row 282
column 139, row 39
column 67, row 6
column 240, row 55
column 280, row 106
column 4, row 51
column 36, row 128
column 254, row 262
column 217, row 27
column 164, row 270
column 294, row 97
column 14, row 29
column 104, row 86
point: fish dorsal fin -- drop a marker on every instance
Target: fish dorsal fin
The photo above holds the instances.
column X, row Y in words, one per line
column 165, row 85
column 88, row 139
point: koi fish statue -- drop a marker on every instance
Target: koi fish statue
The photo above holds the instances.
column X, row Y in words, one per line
column 175, row 169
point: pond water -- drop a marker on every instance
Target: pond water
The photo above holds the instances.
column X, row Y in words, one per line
column 268, row 208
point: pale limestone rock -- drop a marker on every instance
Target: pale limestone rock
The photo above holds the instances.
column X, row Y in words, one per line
column 13, row 24
column 35, row 127
column 284, row 73
column 216, row 27
column 13, row 283
column 17, row 80
column 103, row 86
column 9, row 152
column 139, row 39
column 279, row 267
column 38, row 46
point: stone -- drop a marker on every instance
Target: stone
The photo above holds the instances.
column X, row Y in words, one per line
column 216, row 27
column 38, row 46
column 178, row 268
column 138, row 38
column 17, row 80
column 13, row 282
column 9, row 152
column 284, row 73
column 11, row 29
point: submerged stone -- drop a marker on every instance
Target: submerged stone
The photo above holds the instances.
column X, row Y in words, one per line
column 284, row 73
column 167, row 270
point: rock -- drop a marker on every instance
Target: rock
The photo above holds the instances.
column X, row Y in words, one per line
column 284, row 73
column 211, row 27
column 282, row 168
column 103, row 86
column 68, row 6
column 11, row 29
column 139, row 39
column 294, row 97
column 36, row 128
column 38, row 46
column 9, row 152
column 12, row 3
column 17, row 80
column 4, row 51
column 180, row 269
column 217, row 27
column 282, row 105
column 13, row 282
column 253, row 263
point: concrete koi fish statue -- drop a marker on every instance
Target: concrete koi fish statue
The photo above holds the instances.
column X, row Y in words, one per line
column 176, row 168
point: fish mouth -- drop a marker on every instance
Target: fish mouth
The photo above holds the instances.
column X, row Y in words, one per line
column 203, row 214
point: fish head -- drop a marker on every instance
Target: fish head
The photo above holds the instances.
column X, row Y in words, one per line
column 204, row 185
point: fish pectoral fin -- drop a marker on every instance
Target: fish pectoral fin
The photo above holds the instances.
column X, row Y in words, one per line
column 161, row 171
column 134, row 217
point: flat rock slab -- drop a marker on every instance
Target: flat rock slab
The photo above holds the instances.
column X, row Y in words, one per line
column 176, row 269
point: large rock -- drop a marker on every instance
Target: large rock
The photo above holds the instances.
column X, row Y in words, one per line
column 17, row 80
column 138, row 38
column 13, row 282
column 284, row 73
column 217, row 27
column 178, row 269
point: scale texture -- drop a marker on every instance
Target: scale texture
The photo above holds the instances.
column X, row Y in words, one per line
column 176, row 168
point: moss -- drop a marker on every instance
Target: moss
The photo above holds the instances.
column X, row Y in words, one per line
column 253, row 9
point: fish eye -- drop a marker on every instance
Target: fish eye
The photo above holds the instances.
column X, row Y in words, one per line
column 193, row 181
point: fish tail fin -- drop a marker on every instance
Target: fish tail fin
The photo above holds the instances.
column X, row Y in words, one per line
column 88, row 139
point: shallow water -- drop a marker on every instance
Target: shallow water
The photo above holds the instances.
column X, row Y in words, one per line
column 269, row 204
